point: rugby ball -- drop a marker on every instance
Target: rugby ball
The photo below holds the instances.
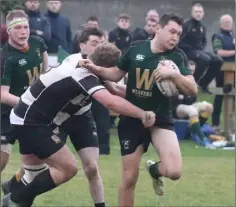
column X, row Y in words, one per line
column 167, row 87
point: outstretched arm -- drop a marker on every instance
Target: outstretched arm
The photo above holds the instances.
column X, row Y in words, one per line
column 121, row 106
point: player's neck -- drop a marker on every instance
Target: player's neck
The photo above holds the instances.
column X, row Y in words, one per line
column 155, row 46
column 22, row 48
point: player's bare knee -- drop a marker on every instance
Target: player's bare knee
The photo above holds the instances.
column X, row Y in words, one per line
column 175, row 174
column 130, row 178
column 91, row 170
column 69, row 170
column 173, row 168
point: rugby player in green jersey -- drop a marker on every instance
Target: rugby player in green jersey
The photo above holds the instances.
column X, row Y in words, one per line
column 140, row 63
column 23, row 59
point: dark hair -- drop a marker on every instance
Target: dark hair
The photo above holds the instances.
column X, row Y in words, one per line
column 124, row 16
column 86, row 33
column 165, row 18
column 93, row 19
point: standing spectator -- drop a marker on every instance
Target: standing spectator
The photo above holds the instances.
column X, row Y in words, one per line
column 148, row 32
column 193, row 42
column 92, row 22
column 121, row 36
column 151, row 14
column 224, row 46
column 3, row 35
column 60, row 27
column 39, row 25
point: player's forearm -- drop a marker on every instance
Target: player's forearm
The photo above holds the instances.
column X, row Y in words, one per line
column 186, row 84
column 9, row 99
column 116, row 89
column 120, row 90
column 226, row 53
column 123, row 107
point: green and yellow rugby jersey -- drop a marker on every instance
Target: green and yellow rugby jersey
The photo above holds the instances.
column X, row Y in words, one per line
column 139, row 62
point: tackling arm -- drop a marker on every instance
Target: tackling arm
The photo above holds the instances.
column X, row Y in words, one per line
column 117, row 104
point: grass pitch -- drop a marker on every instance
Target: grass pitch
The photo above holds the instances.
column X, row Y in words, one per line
column 208, row 180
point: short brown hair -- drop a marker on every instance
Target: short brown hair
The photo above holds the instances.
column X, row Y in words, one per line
column 124, row 16
column 17, row 13
column 106, row 54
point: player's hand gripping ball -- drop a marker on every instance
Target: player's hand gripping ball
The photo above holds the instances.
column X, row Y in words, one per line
column 163, row 78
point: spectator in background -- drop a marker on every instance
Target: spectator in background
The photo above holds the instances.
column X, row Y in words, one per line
column 3, row 35
column 224, row 46
column 152, row 14
column 60, row 28
column 193, row 42
column 38, row 24
column 92, row 22
column 148, row 32
column 187, row 107
column 121, row 36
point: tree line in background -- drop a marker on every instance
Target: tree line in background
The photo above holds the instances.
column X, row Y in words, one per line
column 7, row 5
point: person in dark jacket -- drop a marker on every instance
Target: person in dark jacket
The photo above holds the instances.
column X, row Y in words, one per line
column 39, row 25
column 121, row 36
column 193, row 42
column 147, row 33
column 224, row 46
column 60, row 27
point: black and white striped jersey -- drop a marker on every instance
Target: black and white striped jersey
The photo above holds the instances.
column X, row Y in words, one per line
column 58, row 94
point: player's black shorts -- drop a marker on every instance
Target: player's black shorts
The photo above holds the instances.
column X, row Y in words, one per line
column 43, row 141
column 82, row 130
column 5, row 130
column 133, row 134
